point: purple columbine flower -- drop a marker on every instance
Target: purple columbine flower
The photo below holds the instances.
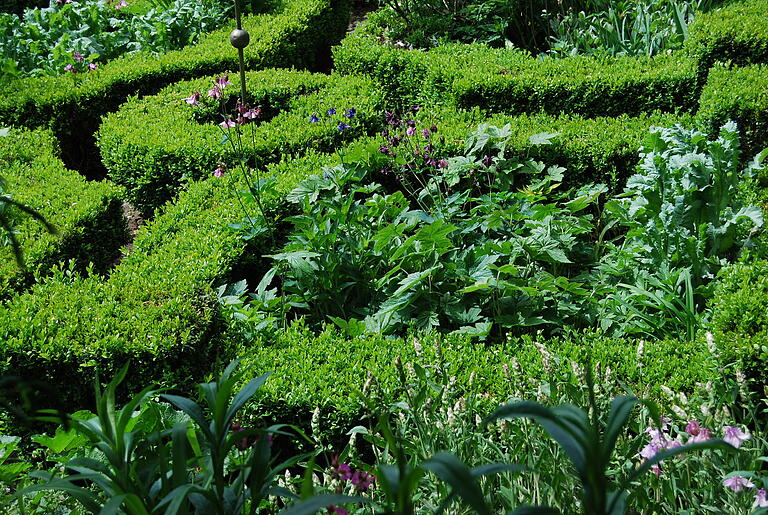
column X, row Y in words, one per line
column 761, row 499
column 222, row 81
column 314, row 119
column 384, row 150
column 410, row 131
column 70, row 68
column 738, row 483
column 351, row 113
column 425, row 133
column 390, row 118
column 362, row 480
column 214, row 93
column 735, row 436
column 193, row 99
column 79, row 58
column 343, row 126
column 487, row 160
column 252, row 114
column 692, row 427
column 331, row 111
column 443, row 163
column 121, row 4
column 228, row 123
column 92, row 66
column 219, row 172
column 703, row 435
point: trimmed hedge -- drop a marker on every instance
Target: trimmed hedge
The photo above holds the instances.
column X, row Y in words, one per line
column 156, row 144
column 736, row 33
column 158, row 309
column 739, row 94
column 72, row 105
column 326, row 369
column 466, row 76
column 88, row 215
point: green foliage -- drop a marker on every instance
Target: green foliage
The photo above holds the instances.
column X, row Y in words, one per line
column 466, row 76
column 739, row 94
column 733, row 33
column 156, row 144
column 46, row 39
column 296, row 34
column 87, row 215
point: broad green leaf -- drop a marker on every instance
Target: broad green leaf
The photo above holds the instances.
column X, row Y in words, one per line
column 450, row 469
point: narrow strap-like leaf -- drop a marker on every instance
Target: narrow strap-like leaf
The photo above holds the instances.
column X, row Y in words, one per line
column 450, row 469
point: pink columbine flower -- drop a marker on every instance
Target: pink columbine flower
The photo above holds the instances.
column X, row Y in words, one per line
column 738, row 483
column 692, row 428
column 92, row 66
column 228, row 123
column 214, row 93
column 761, row 499
column 121, row 4
column 735, row 436
column 222, row 82
column 193, row 99
column 70, row 68
column 219, row 172
column 252, row 114
column 79, row 58
column 443, row 163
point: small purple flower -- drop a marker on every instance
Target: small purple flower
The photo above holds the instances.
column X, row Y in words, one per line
column 70, row 68
column 214, row 93
column 415, row 109
column 738, row 483
column 692, row 428
column 219, row 172
column 331, row 111
column 337, row 510
column 425, row 133
column 390, row 118
column 362, row 480
column 222, row 81
column 92, row 66
column 433, row 129
column 656, row 469
column 314, row 119
column 384, row 150
column 79, row 58
column 228, row 124
column 443, row 163
column 410, row 131
column 351, row 113
column 343, row 126
column 252, row 114
column 193, row 99
column 344, row 471
column 121, row 4
column 650, row 450
column 673, row 444
column 735, row 436
column 761, row 499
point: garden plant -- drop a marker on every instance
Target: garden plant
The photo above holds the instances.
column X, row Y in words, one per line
column 402, row 257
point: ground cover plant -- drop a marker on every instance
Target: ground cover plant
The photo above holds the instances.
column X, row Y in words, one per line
column 460, row 275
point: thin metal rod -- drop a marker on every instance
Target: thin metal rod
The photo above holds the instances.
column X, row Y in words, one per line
column 240, row 55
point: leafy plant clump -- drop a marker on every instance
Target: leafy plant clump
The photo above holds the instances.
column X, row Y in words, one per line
column 483, row 243
column 74, row 37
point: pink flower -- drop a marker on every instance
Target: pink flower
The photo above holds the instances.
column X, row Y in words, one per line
column 738, row 483
column 121, row 4
column 692, row 428
column 228, row 123
column 735, row 436
column 214, row 93
column 344, row 471
column 92, row 66
column 673, row 444
column 222, row 81
column 703, row 435
column 70, row 68
column 252, row 114
column 337, row 510
column 650, row 450
column 442, row 163
column 761, row 500
column 193, row 99
column 219, row 172
column 656, row 469
column 410, row 131
column 79, row 58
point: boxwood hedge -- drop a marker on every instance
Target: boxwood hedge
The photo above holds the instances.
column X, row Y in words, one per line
column 87, row 215
column 154, row 144
column 739, row 94
column 296, row 35
column 466, row 76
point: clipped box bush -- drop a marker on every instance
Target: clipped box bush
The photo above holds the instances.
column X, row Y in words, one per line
column 155, row 144
column 297, row 34
column 327, row 369
column 739, row 94
column 467, row 76
column 87, row 215
column 735, row 33
column 157, row 309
